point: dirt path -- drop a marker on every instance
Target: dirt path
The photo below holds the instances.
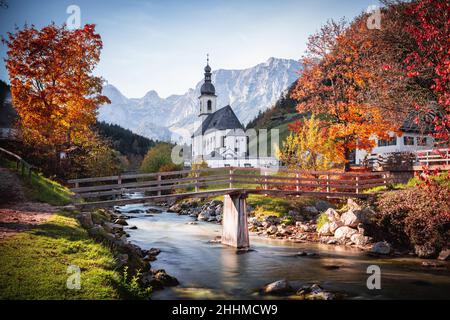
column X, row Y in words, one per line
column 17, row 214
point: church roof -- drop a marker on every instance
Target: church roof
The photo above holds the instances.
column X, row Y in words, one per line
column 222, row 119
column 207, row 88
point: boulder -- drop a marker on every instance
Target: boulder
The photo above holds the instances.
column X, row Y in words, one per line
column 122, row 259
column 351, row 218
column 359, row 239
column 165, row 279
column 272, row 230
column 344, row 232
column 311, row 210
column 85, row 219
column 147, row 279
column 352, row 205
column 202, row 217
column 112, row 227
column 315, row 292
column 425, row 251
column 283, row 230
column 304, row 227
column 444, row 255
column 272, row 220
column 136, row 211
column 97, row 231
column 280, row 287
column 121, row 222
column 332, row 241
column 175, row 208
column 325, row 229
column 335, row 225
column 254, row 221
column 323, row 205
column 153, row 210
column 383, row 248
column 332, row 215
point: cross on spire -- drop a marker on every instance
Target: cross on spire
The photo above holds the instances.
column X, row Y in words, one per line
column 207, row 58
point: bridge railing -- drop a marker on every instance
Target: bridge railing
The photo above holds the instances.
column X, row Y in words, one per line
column 163, row 183
column 21, row 165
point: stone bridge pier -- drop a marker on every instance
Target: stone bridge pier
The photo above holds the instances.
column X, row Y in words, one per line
column 234, row 222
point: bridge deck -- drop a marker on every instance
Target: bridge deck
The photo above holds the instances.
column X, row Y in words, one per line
column 221, row 181
column 214, row 193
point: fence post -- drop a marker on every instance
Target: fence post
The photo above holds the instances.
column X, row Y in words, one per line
column 231, row 178
column 119, row 179
column 357, row 184
column 328, row 183
column 196, row 175
column 384, row 179
column 297, row 187
column 158, row 177
column 265, row 182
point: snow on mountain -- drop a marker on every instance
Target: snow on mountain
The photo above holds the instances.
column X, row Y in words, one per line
column 248, row 91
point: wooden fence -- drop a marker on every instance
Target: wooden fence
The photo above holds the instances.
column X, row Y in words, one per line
column 250, row 179
column 21, row 165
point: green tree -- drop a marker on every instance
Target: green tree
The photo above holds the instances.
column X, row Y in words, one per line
column 159, row 159
column 310, row 146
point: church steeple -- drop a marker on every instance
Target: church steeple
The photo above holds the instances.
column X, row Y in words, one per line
column 208, row 87
column 207, row 93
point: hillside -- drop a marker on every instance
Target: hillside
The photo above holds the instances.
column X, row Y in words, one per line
column 279, row 116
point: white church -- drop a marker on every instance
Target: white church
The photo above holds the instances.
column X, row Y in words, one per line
column 220, row 139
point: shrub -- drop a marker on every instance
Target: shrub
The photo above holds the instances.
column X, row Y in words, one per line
column 321, row 220
column 159, row 158
column 132, row 287
column 419, row 216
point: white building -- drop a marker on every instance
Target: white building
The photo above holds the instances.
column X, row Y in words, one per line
column 220, row 139
column 412, row 140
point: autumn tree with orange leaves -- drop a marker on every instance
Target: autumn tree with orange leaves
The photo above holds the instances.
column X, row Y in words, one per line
column 336, row 83
column 52, row 85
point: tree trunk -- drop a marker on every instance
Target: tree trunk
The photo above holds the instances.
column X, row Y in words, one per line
column 347, row 159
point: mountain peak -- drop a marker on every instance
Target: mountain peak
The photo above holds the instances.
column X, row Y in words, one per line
column 151, row 95
column 248, row 91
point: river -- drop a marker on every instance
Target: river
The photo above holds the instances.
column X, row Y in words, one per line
column 212, row 271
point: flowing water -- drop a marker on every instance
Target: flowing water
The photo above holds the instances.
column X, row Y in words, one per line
column 212, row 271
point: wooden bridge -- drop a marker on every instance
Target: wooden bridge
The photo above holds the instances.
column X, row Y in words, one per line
column 233, row 183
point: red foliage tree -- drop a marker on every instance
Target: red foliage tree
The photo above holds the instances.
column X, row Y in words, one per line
column 428, row 22
column 52, row 86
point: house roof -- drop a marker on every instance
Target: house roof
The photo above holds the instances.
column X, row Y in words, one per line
column 222, row 119
column 423, row 126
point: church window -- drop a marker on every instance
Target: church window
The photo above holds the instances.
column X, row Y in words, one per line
column 223, row 142
column 209, row 105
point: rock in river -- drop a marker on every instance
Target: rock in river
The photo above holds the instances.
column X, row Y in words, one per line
column 444, row 255
column 280, row 287
column 344, row 233
column 381, row 248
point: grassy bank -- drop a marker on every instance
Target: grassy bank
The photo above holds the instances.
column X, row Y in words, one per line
column 41, row 189
column 34, row 263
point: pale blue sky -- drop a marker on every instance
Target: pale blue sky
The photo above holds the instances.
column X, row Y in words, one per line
column 162, row 45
